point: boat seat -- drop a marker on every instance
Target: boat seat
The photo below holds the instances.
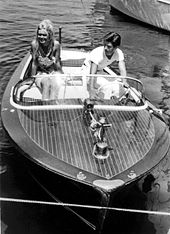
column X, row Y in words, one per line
column 33, row 92
column 74, row 89
column 71, row 92
column 72, row 70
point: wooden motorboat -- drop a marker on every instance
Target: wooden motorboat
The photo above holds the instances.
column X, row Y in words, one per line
column 89, row 145
column 153, row 12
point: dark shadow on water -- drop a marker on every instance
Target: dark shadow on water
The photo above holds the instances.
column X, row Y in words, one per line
column 129, row 222
column 23, row 218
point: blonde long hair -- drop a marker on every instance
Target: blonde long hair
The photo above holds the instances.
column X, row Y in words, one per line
column 48, row 26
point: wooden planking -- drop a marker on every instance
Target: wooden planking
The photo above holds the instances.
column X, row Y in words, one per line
column 64, row 135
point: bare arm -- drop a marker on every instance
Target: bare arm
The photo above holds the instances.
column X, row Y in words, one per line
column 122, row 68
column 93, row 68
column 57, row 50
column 92, row 81
column 33, row 52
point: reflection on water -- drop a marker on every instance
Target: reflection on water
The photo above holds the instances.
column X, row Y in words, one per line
column 147, row 54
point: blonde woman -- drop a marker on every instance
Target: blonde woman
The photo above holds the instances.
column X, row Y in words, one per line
column 46, row 60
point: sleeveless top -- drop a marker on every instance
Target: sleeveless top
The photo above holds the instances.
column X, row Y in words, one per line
column 45, row 62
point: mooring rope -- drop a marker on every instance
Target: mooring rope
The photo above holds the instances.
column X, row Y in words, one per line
column 5, row 199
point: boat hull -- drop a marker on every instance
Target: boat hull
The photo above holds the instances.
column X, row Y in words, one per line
column 63, row 190
column 155, row 13
column 84, row 184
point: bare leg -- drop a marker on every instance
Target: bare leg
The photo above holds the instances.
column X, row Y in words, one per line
column 45, row 84
column 55, row 83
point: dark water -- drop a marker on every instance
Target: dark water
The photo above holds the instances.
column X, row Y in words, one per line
column 83, row 22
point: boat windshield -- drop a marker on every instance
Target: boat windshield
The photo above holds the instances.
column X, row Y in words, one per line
column 72, row 90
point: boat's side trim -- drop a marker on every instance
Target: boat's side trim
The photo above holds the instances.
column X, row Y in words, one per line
column 25, row 67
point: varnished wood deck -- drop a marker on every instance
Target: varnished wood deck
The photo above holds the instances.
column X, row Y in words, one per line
column 64, row 135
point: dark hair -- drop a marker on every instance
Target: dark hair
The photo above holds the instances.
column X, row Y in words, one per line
column 113, row 37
